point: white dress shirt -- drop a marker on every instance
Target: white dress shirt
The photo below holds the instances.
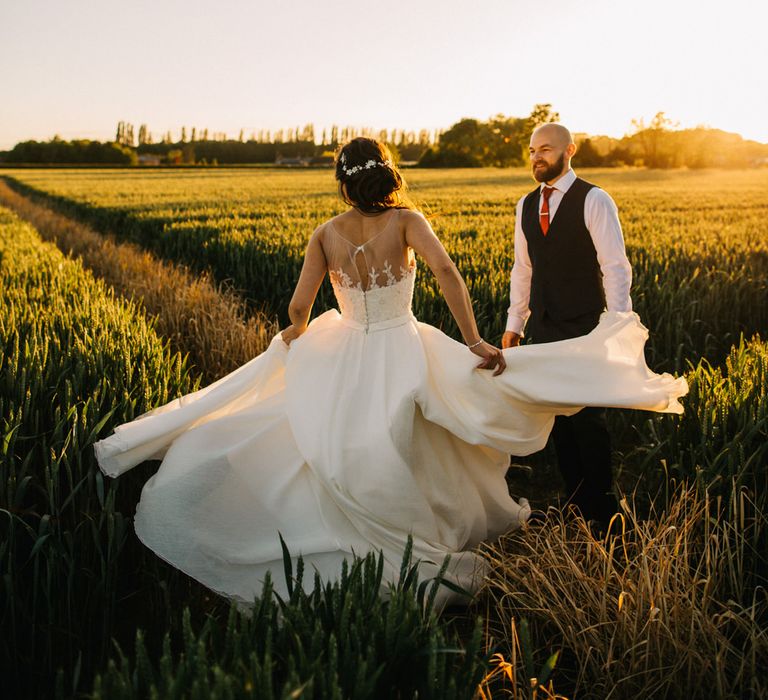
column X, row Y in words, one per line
column 601, row 218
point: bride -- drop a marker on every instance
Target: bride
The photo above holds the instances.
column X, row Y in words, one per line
column 354, row 431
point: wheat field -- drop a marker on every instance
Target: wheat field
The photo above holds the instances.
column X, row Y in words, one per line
column 679, row 610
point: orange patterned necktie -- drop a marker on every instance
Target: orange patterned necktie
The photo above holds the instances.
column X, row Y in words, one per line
column 544, row 215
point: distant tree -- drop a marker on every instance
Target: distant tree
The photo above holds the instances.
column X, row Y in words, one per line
column 505, row 135
column 465, row 144
column 587, row 155
column 697, row 150
column 183, row 134
column 308, row 133
column 540, row 114
column 124, row 135
column 71, row 152
column 241, row 137
column 619, row 155
column 501, row 141
column 193, row 134
column 651, row 139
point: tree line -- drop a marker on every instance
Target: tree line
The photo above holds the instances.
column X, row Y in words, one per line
column 501, row 141
column 74, row 152
column 660, row 145
column 194, row 145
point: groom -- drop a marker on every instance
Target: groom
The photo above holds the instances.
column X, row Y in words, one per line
column 570, row 264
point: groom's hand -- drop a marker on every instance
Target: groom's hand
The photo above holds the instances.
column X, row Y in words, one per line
column 510, row 339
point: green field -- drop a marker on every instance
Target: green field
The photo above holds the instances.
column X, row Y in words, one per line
column 72, row 576
column 696, row 240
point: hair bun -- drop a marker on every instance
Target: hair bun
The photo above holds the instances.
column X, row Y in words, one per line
column 368, row 178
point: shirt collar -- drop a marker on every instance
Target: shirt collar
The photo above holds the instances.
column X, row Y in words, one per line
column 564, row 183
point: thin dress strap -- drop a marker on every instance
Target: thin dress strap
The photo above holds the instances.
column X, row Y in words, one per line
column 379, row 254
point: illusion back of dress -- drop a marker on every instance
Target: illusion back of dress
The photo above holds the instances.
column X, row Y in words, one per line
column 372, row 279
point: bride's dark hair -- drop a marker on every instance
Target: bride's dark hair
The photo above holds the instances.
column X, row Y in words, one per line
column 368, row 178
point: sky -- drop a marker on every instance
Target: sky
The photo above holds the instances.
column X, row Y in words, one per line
column 76, row 68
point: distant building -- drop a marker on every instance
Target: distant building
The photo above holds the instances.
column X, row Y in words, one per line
column 304, row 161
column 293, row 162
column 149, row 159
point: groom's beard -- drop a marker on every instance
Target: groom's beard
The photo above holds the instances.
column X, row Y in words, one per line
column 551, row 171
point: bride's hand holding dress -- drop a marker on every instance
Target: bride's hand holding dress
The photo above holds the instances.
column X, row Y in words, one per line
column 420, row 236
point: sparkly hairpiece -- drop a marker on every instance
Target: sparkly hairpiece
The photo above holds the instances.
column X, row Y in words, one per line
column 357, row 168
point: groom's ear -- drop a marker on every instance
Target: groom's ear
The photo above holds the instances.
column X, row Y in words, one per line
column 570, row 150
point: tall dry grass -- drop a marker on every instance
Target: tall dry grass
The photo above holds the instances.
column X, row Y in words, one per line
column 208, row 321
column 658, row 610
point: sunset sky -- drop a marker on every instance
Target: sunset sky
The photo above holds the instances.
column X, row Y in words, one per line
column 76, row 68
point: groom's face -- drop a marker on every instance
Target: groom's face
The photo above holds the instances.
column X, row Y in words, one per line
column 547, row 158
column 547, row 166
column 550, row 154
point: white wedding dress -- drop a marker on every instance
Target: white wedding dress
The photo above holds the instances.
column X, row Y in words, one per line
column 371, row 427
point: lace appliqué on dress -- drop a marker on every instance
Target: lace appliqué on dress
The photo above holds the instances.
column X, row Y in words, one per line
column 342, row 279
column 380, row 302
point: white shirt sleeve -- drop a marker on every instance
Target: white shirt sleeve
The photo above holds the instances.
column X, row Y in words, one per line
column 520, row 278
column 601, row 217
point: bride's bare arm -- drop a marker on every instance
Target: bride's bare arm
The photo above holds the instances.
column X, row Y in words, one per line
column 420, row 236
column 311, row 277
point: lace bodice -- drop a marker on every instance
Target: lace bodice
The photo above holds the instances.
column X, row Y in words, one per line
column 372, row 271
column 380, row 302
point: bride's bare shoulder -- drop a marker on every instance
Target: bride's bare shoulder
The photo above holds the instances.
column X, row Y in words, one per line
column 411, row 216
column 413, row 221
column 322, row 228
column 337, row 222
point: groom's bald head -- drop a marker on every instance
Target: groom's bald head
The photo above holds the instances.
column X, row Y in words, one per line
column 556, row 134
column 551, row 150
